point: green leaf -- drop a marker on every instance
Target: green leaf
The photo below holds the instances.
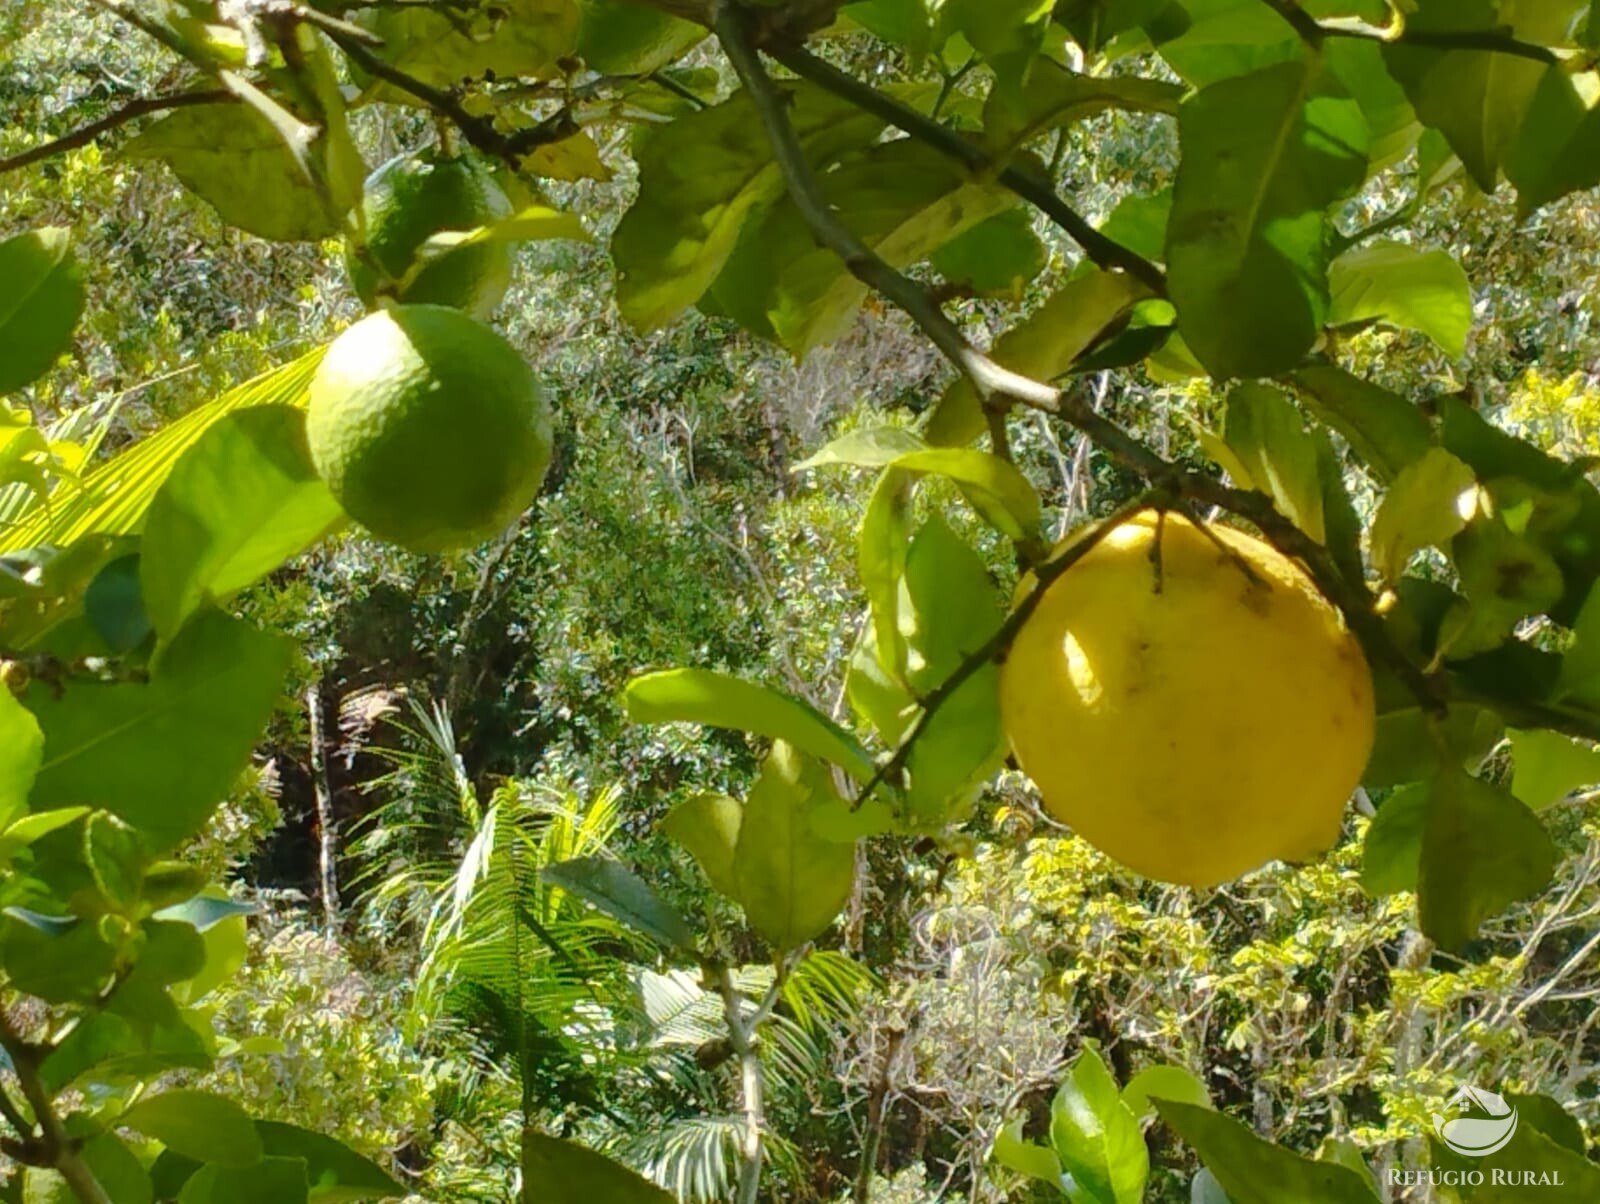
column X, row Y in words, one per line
column 718, row 700
column 995, row 258
column 1093, row 23
column 108, row 1048
column 62, row 962
column 1425, row 291
column 1548, row 766
column 535, row 223
column 558, row 1172
column 881, row 561
column 335, row 1172
column 1384, row 429
column 708, row 826
column 1557, row 151
column 510, row 39
column 241, row 501
column 627, row 37
column 906, row 23
column 114, row 605
column 1055, row 97
column 865, row 447
column 198, row 1124
column 1409, row 743
column 1580, row 667
column 162, row 754
column 700, row 179
column 1506, row 577
column 1392, row 851
column 615, row 890
column 950, row 608
column 903, row 199
column 791, row 881
column 1422, row 509
column 41, row 305
column 1163, row 1082
column 1263, row 157
column 1551, row 1119
column 1204, row 1189
column 233, row 158
column 1280, row 457
column 115, row 856
column 1482, row 850
column 1043, row 347
column 1209, row 40
column 114, row 1167
column 1025, row 1157
column 1479, row 100
column 270, row 1181
column 1096, row 1135
column 1560, row 1175
column 1254, row 1171
column 1008, row 34
column 21, row 752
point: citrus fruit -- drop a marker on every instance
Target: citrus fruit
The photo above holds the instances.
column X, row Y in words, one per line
column 428, row 427
column 1197, row 730
column 409, row 199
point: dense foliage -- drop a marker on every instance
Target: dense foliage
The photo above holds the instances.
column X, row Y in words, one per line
column 666, row 846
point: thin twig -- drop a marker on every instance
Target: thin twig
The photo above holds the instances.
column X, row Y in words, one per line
column 1104, row 252
column 131, row 111
column 478, row 131
column 1397, row 33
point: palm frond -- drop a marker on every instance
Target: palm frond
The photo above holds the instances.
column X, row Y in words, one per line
column 115, row 495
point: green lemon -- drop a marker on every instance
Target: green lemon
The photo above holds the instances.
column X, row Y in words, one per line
column 428, row 427
column 411, row 198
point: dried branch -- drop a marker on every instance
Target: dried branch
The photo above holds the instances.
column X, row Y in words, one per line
column 1037, row 191
column 132, row 111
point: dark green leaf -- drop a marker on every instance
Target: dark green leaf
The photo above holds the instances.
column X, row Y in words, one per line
column 107, row 1048
column 1254, row 1171
column 702, row 696
column 68, row 965
column 41, row 304
column 1008, row 34
column 270, row 1181
column 700, row 178
column 620, row 894
column 1163, row 1082
column 996, row 257
column 1264, row 156
column 336, row 1173
column 198, row 1124
column 1551, row 1119
column 162, row 754
column 114, row 1167
column 791, row 881
column 1054, row 97
column 1408, row 743
column 1392, row 851
column 115, row 605
column 559, row 1172
column 1384, row 429
column 115, row 856
column 626, row 37
column 1481, row 851
column 238, row 504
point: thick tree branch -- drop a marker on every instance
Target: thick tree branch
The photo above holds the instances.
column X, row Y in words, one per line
column 1037, row 191
column 131, row 111
column 54, row 1143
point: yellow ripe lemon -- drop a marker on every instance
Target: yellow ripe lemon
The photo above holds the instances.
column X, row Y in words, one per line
column 1195, row 731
